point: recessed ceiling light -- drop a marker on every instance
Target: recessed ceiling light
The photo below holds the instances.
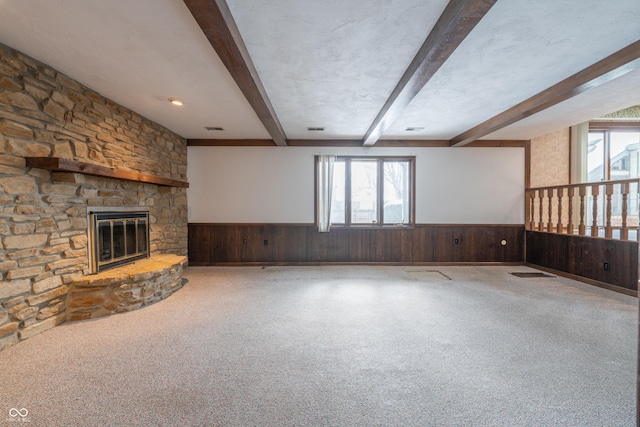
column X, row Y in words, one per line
column 176, row 101
column 414, row 128
column 213, row 128
column 316, row 129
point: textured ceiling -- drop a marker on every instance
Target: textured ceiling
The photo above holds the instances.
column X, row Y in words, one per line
column 138, row 53
column 331, row 63
column 518, row 50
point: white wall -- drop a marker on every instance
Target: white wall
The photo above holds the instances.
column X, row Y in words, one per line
column 276, row 184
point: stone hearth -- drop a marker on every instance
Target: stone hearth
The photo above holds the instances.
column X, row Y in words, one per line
column 125, row 288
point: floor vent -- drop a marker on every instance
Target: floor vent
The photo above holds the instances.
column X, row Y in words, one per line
column 531, row 275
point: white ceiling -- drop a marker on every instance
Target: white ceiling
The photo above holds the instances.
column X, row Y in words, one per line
column 331, row 63
column 346, row 59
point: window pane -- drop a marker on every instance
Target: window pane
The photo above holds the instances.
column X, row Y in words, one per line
column 130, row 236
column 105, row 251
column 595, row 157
column 118, row 239
column 396, row 192
column 338, row 214
column 142, row 235
column 364, row 192
column 624, row 154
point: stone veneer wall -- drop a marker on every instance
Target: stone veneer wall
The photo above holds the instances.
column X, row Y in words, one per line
column 43, row 222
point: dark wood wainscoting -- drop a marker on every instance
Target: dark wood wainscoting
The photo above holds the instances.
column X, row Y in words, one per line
column 586, row 257
column 216, row 244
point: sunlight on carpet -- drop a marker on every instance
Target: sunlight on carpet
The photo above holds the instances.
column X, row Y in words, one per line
column 428, row 275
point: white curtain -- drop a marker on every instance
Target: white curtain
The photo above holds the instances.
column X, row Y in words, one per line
column 325, row 188
column 579, row 142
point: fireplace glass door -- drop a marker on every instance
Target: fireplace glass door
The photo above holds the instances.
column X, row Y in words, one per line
column 119, row 238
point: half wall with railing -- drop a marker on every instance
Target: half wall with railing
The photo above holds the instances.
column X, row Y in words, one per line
column 606, row 209
column 586, row 230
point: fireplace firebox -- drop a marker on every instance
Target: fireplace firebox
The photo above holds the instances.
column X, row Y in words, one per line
column 117, row 238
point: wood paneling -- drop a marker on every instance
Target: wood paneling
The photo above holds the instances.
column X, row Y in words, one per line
column 585, row 257
column 227, row 244
column 211, row 244
column 200, row 242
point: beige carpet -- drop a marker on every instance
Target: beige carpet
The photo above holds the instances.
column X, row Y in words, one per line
column 339, row 346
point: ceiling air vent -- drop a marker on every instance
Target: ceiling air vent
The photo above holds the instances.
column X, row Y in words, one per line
column 316, row 129
column 414, row 129
column 213, row 128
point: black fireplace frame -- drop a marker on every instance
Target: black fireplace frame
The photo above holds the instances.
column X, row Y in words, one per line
column 109, row 221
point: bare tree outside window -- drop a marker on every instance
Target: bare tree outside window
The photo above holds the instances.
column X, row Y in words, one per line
column 364, row 192
column 396, row 192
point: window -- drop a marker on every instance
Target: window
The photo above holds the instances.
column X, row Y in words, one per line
column 372, row 191
column 612, row 155
column 612, row 151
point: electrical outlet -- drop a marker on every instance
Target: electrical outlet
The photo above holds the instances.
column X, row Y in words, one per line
column 244, row 241
column 606, row 266
column 456, row 241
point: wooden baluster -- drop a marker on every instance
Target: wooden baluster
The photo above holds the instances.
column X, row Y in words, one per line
column 570, row 223
column 582, row 229
column 559, row 225
column 532, row 206
column 595, row 192
column 550, row 208
column 527, row 219
column 624, row 190
column 541, row 197
column 608, row 230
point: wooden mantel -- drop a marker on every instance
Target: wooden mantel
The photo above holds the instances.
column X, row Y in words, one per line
column 65, row 165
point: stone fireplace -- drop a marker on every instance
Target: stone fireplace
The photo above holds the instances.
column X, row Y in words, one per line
column 67, row 151
column 117, row 237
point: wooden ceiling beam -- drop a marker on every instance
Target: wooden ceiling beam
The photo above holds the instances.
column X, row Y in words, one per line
column 631, row 125
column 453, row 26
column 387, row 143
column 230, row 143
column 217, row 24
column 603, row 71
